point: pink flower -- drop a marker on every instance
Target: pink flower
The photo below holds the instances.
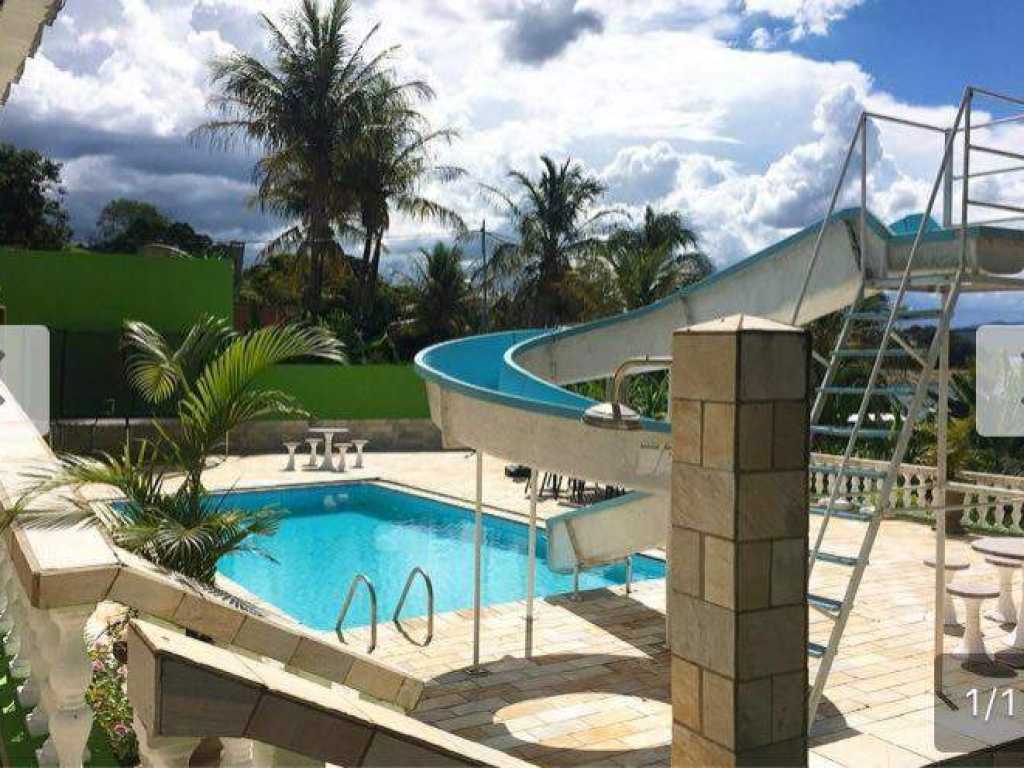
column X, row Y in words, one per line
column 97, row 666
column 121, row 729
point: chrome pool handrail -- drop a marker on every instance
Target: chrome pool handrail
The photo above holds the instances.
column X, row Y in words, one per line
column 430, row 606
column 359, row 577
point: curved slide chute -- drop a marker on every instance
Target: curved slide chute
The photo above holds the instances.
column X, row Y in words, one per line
column 503, row 393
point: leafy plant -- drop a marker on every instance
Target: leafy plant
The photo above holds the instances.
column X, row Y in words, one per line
column 212, row 380
column 441, row 308
column 555, row 218
column 342, row 144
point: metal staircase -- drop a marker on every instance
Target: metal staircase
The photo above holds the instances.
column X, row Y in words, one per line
column 846, row 478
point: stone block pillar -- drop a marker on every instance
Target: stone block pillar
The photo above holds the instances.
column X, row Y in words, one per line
column 737, row 600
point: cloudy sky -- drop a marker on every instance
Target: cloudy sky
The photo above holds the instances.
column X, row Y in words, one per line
column 735, row 112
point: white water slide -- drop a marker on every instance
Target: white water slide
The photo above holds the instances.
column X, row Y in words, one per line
column 503, row 393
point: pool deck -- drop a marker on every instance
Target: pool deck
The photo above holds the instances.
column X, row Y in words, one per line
column 596, row 689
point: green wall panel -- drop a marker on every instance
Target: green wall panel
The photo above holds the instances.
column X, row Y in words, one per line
column 83, row 291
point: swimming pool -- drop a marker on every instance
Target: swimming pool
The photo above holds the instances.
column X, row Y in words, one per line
column 329, row 533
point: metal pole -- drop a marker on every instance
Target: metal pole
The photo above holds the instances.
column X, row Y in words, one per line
column 947, row 193
column 483, row 256
column 939, row 502
column 863, row 196
column 477, row 560
column 824, row 225
column 966, row 186
column 629, row 574
column 531, row 566
column 575, row 582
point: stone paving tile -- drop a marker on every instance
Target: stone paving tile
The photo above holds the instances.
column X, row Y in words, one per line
column 596, row 691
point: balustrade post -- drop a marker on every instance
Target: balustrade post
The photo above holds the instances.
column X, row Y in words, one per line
column 163, row 751
column 239, row 753
column 44, row 634
column 69, row 675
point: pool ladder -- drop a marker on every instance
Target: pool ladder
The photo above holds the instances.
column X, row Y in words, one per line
column 361, row 578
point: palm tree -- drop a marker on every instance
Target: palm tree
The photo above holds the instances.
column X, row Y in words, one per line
column 212, row 378
column 300, row 111
column 657, row 256
column 642, row 275
column 387, row 167
column 557, row 226
column 441, row 308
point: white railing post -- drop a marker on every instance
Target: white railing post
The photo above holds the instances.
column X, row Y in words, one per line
column 163, row 751
column 44, row 632
column 69, row 674
column 239, row 753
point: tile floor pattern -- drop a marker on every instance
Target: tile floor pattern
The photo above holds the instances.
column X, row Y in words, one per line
column 596, row 690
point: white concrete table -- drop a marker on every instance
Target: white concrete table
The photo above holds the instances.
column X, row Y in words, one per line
column 328, row 433
column 1009, row 549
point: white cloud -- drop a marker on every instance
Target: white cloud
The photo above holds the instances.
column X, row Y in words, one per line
column 761, row 39
column 807, row 17
column 661, row 103
column 738, row 211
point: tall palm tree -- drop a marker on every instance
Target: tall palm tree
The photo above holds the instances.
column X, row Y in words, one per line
column 664, row 240
column 642, row 275
column 300, row 110
column 212, row 378
column 441, row 308
column 387, row 167
column 555, row 218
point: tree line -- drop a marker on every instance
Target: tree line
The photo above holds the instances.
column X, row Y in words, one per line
column 344, row 150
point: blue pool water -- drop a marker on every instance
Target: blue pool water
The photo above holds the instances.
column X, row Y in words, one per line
column 330, row 533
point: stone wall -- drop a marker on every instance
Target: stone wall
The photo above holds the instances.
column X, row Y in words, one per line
column 85, row 435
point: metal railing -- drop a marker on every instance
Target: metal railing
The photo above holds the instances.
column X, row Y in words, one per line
column 430, row 606
column 356, row 580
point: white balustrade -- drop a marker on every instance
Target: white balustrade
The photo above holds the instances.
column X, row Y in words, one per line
column 70, row 672
column 45, row 633
column 163, row 751
column 239, row 753
column 991, row 501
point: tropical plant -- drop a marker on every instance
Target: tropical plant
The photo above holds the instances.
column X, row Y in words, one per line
column 441, row 308
column 642, row 275
column 300, row 110
column 555, row 218
column 387, row 166
column 654, row 258
column 212, row 380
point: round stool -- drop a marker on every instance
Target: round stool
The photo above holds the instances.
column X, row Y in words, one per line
column 290, row 466
column 314, row 443
column 953, row 565
column 342, row 451
column 1006, row 610
column 359, row 444
column 972, row 644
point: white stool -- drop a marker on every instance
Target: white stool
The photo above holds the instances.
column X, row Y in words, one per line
column 1006, row 610
column 342, row 450
column 359, row 444
column 972, row 644
column 290, row 466
column 953, row 565
column 314, row 443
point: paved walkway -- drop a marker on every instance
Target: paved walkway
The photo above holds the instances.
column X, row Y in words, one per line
column 596, row 689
